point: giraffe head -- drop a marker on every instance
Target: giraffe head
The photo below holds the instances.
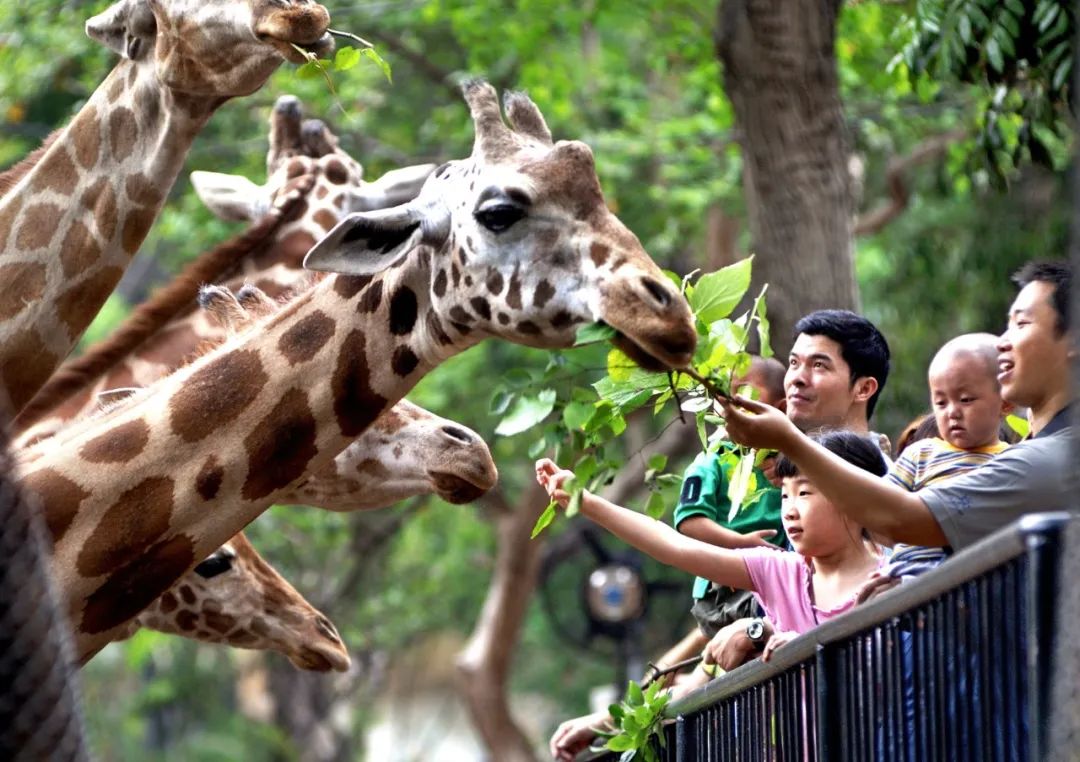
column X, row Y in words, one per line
column 235, row 597
column 217, row 48
column 517, row 242
column 305, row 151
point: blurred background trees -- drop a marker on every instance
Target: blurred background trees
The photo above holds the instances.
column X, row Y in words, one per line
column 935, row 137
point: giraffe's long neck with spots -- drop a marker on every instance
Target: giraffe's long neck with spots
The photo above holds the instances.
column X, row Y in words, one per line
column 70, row 227
column 161, row 481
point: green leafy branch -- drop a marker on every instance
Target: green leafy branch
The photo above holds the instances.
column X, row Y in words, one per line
column 345, row 58
column 582, row 423
column 638, row 720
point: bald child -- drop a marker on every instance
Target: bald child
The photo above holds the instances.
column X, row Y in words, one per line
column 967, row 405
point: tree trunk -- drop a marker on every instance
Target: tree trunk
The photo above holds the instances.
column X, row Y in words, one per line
column 780, row 75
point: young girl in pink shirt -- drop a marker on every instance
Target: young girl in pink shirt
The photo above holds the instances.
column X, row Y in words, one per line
column 797, row 589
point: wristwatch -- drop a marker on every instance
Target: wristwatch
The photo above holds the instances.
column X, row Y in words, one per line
column 755, row 631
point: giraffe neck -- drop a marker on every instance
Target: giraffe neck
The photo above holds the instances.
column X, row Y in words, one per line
column 164, row 479
column 70, row 227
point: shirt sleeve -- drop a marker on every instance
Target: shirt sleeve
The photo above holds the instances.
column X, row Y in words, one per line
column 1030, row 477
column 703, row 491
column 902, row 471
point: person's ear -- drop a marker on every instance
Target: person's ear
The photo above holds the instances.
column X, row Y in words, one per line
column 864, row 388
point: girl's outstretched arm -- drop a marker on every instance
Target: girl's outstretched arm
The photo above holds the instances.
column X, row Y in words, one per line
column 724, row 567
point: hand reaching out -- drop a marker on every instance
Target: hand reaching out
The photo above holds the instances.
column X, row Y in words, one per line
column 573, row 736
column 775, row 641
column 756, row 424
column 877, row 584
column 552, row 478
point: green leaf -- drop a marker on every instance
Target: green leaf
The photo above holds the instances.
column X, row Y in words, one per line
column 619, row 365
column 716, row 294
column 346, row 58
column 743, row 481
column 763, row 330
column 656, row 506
column 593, row 332
column 658, row 462
column 1018, row 424
column 993, row 55
column 526, row 412
column 500, row 401
column 384, row 67
column 616, row 711
column 545, row 519
column 621, row 743
column 310, row 70
column 574, row 506
column 634, row 696
column 576, row 414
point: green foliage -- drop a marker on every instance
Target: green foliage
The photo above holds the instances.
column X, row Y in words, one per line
column 1020, row 53
column 638, row 721
column 590, row 423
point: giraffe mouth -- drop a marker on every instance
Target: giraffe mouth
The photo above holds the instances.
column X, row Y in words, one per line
column 454, row 489
column 677, row 352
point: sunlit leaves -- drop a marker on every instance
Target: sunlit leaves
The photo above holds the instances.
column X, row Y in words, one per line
column 526, row 411
column 638, row 722
column 715, row 294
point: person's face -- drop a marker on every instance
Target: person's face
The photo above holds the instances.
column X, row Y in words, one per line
column 813, row 525
column 1033, row 359
column 966, row 401
column 818, row 384
column 756, row 381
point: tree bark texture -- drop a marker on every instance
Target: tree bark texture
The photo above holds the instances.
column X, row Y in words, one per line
column 780, row 74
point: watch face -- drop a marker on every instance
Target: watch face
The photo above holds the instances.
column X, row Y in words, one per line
column 755, row 629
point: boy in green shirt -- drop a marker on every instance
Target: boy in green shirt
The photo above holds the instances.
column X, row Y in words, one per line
column 703, row 509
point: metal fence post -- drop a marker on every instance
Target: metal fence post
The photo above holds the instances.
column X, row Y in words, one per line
column 1043, row 551
column 823, row 685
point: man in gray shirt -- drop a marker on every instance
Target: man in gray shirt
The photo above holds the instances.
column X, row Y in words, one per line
column 1035, row 475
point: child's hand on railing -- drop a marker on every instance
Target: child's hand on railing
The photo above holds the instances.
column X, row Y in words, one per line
column 775, row 641
column 552, row 478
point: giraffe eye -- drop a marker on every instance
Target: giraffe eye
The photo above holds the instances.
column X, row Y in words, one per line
column 499, row 216
column 219, row 563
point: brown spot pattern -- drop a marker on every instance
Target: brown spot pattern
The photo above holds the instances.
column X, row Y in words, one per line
column 123, row 131
column 434, row 328
column 504, row 319
column 302, row 341
column 325, row 219
column 136, row 225
column 404, row 361
column 561, row 319
column 186, row 620
column 336, row 172
column 528, row 327
column 543, row 293
column 101, row 199
column 513, row 296
column 78, row 305
column 460, row 314
column 142, row 190
column 27, row 366
column 370, row 299
column 38, row 227
column 440, row 283
column 23, row 283
column 216, row 394
column 79, row 250
column 60, row 498
column 119, row 444
column 7, row 219
column 208, row 480
column 187, row 595
column 131, row 589
column 348, row 286
column 168, row 602
column 280, row 446
column 138, row 519
column 86, row 137
column 495, row 282
column 599, row 253
column 403, row 311
column 60, row 175
column 219, row 622
column 480, row 304
column 356, row 405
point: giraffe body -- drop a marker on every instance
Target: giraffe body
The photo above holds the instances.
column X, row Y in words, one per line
column 515, row 242
column 70, row 225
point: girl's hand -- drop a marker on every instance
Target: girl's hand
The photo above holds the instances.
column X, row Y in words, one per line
column 775, row 641
column 759, row 538
column 552, row 478
column 756, row 424
column 573, row 736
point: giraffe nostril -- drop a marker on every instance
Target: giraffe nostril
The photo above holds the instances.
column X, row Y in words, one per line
column 657, row 292
column 457, row 433
column 324, row 626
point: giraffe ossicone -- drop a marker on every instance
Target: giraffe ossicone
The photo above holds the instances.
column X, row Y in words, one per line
column 515, row 242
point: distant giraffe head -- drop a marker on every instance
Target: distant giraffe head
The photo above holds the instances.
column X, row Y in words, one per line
column 218, row 48
column 236, row 598
column 517, row 242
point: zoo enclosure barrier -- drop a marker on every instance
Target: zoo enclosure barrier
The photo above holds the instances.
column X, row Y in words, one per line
column 952, row 666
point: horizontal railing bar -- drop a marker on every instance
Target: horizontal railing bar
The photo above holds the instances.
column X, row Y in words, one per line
column 999, row 548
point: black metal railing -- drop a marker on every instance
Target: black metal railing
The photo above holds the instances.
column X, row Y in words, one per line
column 950, row 666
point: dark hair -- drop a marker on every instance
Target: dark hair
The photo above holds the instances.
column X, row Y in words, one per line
column 862, row 346
column 771, row 373
column 1056, row 273
column 854, row 448
column 923, row 427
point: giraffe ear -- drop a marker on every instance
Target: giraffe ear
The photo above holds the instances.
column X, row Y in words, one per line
column 397, row 186
column 230, row 197
column 127, row 27
column 366, row 243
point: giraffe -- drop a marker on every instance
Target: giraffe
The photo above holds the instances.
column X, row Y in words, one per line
column 164, row 477
column 70, row 225
column 311, row 183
